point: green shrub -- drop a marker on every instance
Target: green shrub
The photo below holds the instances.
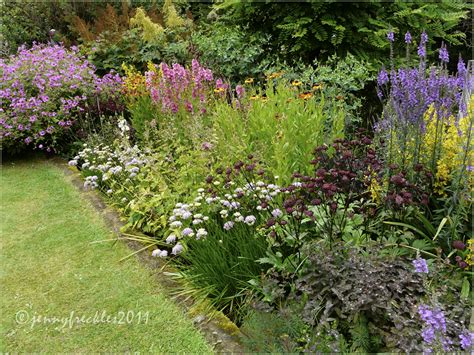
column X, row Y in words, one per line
column 346, row 78
column 230, row 51
column 308, row 30
column 269, row 332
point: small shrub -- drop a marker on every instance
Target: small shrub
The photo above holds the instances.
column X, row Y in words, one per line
column 375, row 299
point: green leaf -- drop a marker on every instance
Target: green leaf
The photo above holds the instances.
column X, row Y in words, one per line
column 441, row 225
column 400, row 224
column 426, row 223
column 422, row 244
column 465, row 289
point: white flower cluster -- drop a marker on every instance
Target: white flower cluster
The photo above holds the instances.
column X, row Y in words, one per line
column 109, row 165
column 185, row 220
column 177, row 249
column 91, row 182
column 184, row 214
column 257, row 192
column 123, row 126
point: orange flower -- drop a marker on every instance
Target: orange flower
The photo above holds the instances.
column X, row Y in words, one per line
column 305, row 95
column 275, row 75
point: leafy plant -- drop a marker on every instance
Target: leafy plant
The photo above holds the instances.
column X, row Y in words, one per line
column 279, row 123
column 219, row 266
column 308, row 30
column 334, row 284
column 230, row 51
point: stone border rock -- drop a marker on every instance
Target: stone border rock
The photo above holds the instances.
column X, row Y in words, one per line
column 219, row 331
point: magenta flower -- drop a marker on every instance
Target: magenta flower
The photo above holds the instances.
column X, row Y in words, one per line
column 180, row 88
column 240, row 91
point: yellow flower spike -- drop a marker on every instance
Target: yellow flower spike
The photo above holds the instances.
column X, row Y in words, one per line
column 249, row 81
column 374, row 187
column 470, row 255
column 296, row 83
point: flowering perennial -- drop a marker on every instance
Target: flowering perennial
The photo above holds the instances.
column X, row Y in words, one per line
column 176, row 88
column 44, row 89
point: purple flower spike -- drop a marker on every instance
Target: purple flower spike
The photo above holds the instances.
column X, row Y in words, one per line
column 461, row 68
column 422, row 45
column 421, row 51
column 443, row 54
column 466, row 339
column 407, row 37
column 391, row 36
column 424, row 38
column 382, row 78
column 420, row 265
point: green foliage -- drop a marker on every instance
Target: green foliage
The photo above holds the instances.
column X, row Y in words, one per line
column 136, row 39
column 266, row 332
column 277, row 126
column 343, row 78
column 142, row 112
column 23, row 23
column 230, row 51
column 151, row 32
column 305, row 30
column 219, row 267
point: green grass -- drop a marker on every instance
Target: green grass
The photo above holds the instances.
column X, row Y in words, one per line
column 49, row 268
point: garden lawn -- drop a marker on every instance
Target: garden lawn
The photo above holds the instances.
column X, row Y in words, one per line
column 49, row 268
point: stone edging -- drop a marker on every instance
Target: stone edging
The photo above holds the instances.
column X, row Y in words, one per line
column 219, row 331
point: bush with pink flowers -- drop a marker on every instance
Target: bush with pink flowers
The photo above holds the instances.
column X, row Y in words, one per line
column 44, row 91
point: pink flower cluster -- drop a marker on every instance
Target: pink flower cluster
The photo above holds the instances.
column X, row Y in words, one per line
column 178, row 88
column 43, row 90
